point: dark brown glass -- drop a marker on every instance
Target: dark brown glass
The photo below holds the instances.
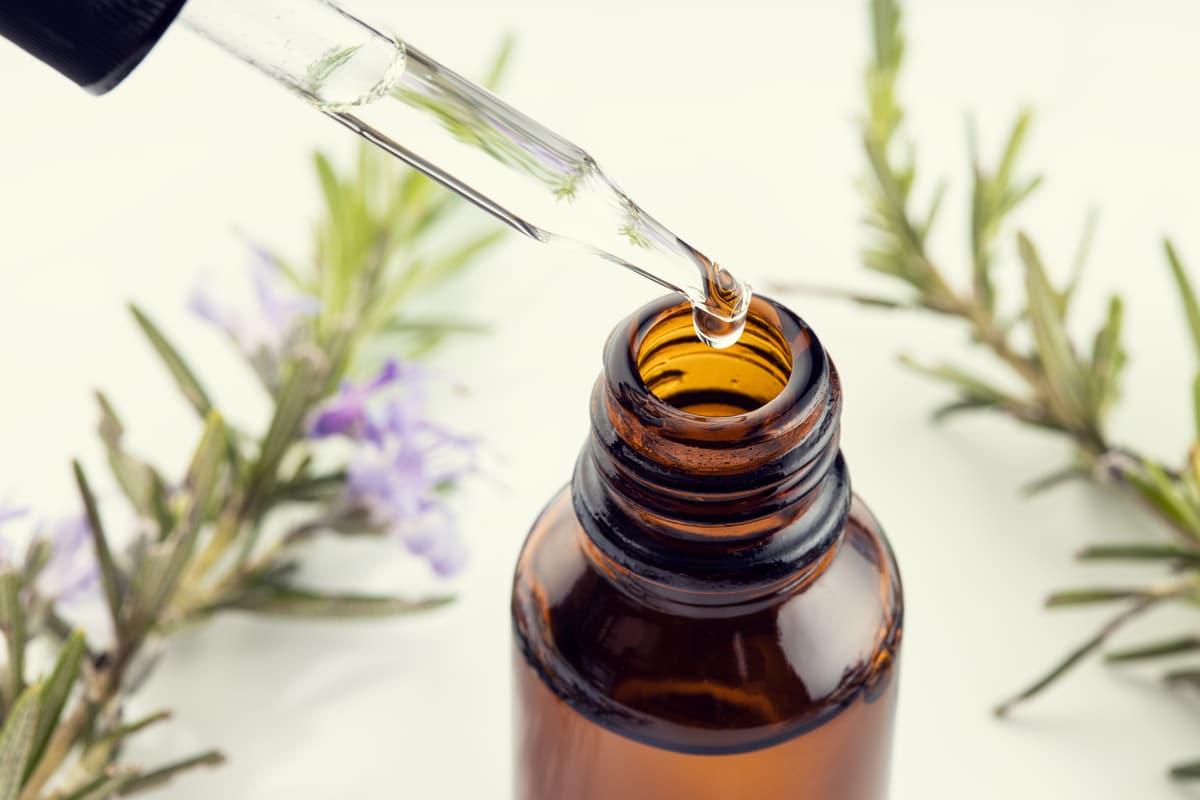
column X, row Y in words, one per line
column 707, row 612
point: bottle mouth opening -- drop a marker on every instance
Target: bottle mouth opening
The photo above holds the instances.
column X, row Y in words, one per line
column 679, row 369
column 730, row 408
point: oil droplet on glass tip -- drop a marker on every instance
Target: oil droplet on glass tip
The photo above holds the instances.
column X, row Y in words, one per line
column 721, row 317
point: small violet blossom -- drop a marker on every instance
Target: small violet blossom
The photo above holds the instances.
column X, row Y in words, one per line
column 71, row 575
column 346, row 415
column 403, row 465
column 266, row 335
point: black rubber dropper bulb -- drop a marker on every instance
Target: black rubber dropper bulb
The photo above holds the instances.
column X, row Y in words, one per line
column 95, row 43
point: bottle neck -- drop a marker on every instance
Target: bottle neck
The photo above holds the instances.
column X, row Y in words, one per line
column 712, row 477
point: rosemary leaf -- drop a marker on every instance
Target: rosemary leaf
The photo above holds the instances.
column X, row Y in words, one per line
column 1065, row 382
column 1187, row 294
column 140, row 482
column 37, row 556
column 101, row 787
column 130, row 728
column 438, row 326
column 1168, row 647
column 974, row 388
column 1140, row 552
column 1016, row 141
column 1108, row 360
column 1077, row 655
column 1186, row 772
column 331, row 187
column 1158, row 488
column 55, row 691
column 1053, row 479
column 287, row 601
column 110, row 577
column 16, row 742
column 1196, row 407
column 1083, row 251
column 500, row 62
column 12, row 624
column 944, row 412
column 157, row 778
column 184, row 377
column 1078, row 597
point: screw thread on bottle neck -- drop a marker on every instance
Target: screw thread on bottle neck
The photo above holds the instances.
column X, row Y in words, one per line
column 713, row 477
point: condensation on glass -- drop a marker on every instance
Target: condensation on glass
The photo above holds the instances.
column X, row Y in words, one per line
column 707, row 612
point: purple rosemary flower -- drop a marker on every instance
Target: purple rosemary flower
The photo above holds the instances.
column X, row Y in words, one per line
column 347, row 414
column 404, row 464
column 71, row 575
column 272, row 330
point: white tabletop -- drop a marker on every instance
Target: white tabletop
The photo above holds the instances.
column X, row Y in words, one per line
column 733, row 123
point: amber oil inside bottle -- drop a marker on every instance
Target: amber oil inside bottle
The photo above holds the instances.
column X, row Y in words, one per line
column 707, row 612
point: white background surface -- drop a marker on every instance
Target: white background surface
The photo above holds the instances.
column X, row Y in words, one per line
column 733, row 123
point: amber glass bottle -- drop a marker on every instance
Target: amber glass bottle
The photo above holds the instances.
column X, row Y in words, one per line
column 707, row 612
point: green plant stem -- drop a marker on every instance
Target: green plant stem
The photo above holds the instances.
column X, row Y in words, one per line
column 985, row 331
column 1079, row 653
column 158, row 777
column 108, row 683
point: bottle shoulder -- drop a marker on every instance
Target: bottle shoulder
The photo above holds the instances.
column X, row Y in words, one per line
column 676, row 675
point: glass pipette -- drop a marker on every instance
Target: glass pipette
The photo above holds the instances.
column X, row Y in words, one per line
column 468, row 140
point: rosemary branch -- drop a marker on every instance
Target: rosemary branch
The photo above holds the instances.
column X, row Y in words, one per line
column 197, row 548
column 1064, row 388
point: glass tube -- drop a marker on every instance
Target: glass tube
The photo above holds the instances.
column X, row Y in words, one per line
column 469, row 140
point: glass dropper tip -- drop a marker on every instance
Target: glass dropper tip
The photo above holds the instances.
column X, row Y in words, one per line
column 719, row 317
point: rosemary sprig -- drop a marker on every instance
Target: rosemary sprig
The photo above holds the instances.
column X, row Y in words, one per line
column 1062, row 385
column 199, row 547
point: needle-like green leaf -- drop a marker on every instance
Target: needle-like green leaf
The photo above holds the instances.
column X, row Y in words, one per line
column 185, row 379
column 1157, row 487
column 1187, row 295
column 164, row 565
column 157, row 778
column 110, row 577
column 12, row 623
column 1077, row 655
column 1108, row 359
column 973, row 387
column 55, row 691
column 1168, row 647
column 287, row 601
column 500, row 62
column 1067, row 386
column 1196, row 406
column 1083, row 251
column 1186, row 772
column 137, row 726
column 102, row 787
column 1138, row 551
column 1053, row 479
column 139, row 481
column 16, row 742
column 1080, row 597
